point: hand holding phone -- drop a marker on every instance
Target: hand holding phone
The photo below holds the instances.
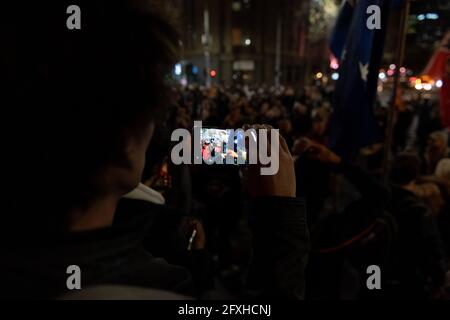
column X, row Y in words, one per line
column 282, row 183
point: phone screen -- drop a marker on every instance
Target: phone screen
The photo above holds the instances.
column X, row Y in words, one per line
column 217, row 144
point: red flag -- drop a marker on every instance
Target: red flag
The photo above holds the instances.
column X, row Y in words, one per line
column 437, row 69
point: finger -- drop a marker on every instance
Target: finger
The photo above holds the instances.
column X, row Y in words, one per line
column 199, row 226
column 313, row 152
column 256, row 127
column 283, row 144
column 310, row 145
column 268, row 129
column 195, row 224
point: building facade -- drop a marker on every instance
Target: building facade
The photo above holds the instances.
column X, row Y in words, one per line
column 247, row 41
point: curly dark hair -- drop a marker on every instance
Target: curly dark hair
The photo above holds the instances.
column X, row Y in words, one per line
column 71, row 97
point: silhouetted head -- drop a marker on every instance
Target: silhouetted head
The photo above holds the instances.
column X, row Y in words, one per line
column 78, row 106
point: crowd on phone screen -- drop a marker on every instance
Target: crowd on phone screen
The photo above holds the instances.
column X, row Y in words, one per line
column 87, row 119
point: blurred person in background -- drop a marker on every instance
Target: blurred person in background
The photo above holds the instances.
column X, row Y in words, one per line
column 437, row 149
column 418, row 261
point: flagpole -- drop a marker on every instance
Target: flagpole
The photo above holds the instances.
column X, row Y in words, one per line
column 206, row 45
column 392, row 111
column 278, row 53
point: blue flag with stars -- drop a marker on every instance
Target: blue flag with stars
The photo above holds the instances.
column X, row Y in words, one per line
column 341, row 27
column 353, row 123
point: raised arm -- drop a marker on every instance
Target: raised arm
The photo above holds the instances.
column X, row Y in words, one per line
column 280, row 235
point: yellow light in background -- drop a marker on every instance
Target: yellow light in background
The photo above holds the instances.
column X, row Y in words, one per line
column 319, row 75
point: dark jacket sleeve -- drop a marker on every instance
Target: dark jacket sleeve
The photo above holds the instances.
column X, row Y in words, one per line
column 434, row 259
column 280, row 247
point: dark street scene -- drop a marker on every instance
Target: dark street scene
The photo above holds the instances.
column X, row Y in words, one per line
column 243, row 151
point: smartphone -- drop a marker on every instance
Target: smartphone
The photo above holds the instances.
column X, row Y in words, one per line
column 223, row 146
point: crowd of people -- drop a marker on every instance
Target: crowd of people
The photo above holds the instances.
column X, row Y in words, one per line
column 353, row 215
column 89, row 180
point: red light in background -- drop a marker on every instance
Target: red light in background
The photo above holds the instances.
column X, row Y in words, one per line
column 213, row 73
column 334, row 64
